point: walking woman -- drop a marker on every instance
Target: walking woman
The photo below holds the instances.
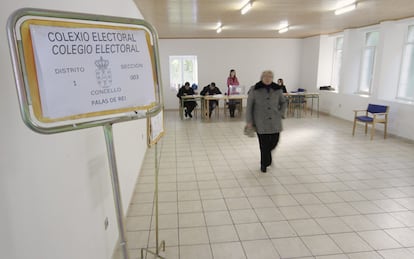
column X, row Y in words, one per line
column 265, row 109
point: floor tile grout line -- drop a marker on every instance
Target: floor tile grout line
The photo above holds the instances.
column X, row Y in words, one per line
column 352, row 185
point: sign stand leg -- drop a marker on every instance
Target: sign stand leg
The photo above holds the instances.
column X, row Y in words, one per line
column 115, row 188
column 158, row 246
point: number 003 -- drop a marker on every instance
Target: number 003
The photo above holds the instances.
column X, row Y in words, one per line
column 134, row 77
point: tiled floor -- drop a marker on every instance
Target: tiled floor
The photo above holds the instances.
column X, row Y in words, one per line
column 327, row 194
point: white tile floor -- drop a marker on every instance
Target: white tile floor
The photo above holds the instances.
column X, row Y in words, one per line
column 327, row 194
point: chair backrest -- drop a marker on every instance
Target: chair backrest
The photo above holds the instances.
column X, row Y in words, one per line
column 375, row 108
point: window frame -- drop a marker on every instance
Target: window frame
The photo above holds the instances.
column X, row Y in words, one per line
column 407, row 43
column 182, row 58
column 367, row 47
column 337, row 72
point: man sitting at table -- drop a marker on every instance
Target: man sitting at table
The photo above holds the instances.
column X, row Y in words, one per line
column 190, row 104
column 211, row 89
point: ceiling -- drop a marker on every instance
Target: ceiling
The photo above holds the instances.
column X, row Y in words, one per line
column 199, row 18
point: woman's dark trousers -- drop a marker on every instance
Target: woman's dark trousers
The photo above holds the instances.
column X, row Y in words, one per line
column 267, row 143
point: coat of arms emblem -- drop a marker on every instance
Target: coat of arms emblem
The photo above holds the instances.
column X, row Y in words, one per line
column 103, row 73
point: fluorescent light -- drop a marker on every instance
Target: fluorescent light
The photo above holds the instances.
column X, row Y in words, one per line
column 246, row 8
column 283, row 30
column 344, row 3
column 345, row 9
column 283, row 27
column 219, row 27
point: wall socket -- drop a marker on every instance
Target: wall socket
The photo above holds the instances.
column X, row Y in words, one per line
column 106, row 223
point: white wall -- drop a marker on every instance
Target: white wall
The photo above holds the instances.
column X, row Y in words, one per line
column 248, row 56
column 385, row 81
column 55, row 190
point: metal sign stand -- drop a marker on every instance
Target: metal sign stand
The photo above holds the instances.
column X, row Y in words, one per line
column 110, row 148
column 158, row 245
column 28, row 91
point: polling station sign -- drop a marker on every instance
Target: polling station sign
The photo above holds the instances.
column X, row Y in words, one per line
column 87, row 70
column 79, row 70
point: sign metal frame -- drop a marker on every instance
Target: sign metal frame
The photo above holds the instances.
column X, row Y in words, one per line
column 25, row 91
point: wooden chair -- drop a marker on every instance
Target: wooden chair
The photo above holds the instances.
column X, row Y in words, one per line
column 205, row 114
column 297, row 103
column 238, row 109
column 181, row 109
column 373, row 114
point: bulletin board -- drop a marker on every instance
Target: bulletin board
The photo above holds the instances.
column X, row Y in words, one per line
column 77, row 70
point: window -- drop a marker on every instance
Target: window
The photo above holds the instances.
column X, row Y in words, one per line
column 368, row 62
column 337, row 62
column 406, row 84
column 183, row 69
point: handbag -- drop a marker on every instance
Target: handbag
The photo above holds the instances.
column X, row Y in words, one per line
column 249, row 131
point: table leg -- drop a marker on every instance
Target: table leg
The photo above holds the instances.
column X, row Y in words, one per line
column 312, row 106
column 241, row 107
column 207, row 109
column 181, row 109
column 318, row 105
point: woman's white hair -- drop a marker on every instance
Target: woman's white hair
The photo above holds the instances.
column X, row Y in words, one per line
column 265, row 73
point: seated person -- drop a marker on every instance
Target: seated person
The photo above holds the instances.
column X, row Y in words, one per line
column 211, row 89
column 282, row 85
column 190, row 104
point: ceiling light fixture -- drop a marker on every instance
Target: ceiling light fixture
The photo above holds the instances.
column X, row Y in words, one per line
column 219, row 27
column 342, row 3
column 283, row 30
column 345, row 9
column 246, row 7
column 283, row 27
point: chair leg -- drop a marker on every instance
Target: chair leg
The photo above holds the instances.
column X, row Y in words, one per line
column 366, row 128
column 373, row 131
column 385, row 130
column 305, row 108
column 353, row 129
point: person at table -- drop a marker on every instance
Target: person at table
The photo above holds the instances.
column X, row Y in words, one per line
column 282, row 85
column 190, row 104
column 232, row 81
column 211, row 89
column 265, row 109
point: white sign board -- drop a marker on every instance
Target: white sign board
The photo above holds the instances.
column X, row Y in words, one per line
column 156, row 128
column 85, row 70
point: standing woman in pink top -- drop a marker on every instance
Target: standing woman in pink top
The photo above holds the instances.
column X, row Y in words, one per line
column 232, row 81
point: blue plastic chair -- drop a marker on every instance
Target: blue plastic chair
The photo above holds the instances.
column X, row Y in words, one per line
column 373, row 114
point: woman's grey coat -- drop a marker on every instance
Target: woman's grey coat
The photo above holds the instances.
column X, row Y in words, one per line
column 266, row 106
